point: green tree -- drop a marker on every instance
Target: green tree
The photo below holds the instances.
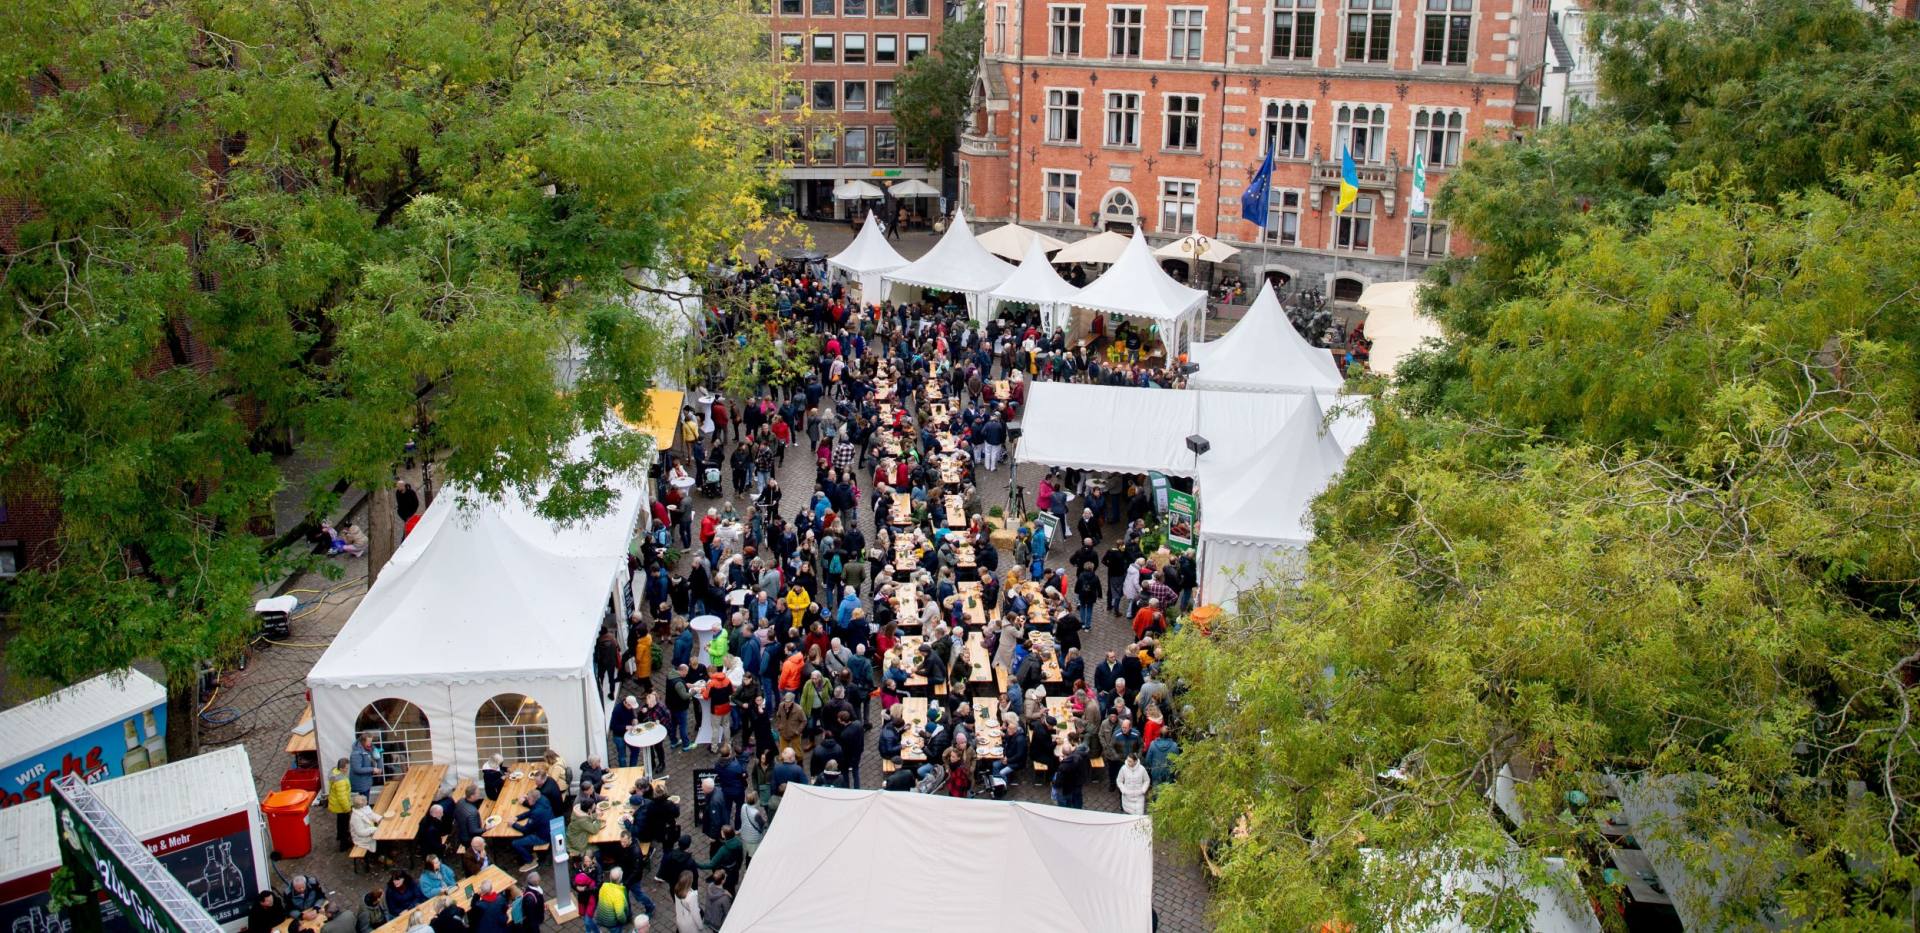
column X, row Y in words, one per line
column 935, row 90
column 365, row 222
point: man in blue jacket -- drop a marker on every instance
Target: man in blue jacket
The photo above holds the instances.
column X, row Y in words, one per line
column 363, row 766
column 535, row 828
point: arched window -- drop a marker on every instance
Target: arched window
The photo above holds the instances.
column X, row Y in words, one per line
column 401, row 733
column 1118, row 207
column 512, row 726
column 1347, row 289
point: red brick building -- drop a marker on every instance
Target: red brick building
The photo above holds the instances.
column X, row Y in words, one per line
column 1098, row 114
column 845, row 57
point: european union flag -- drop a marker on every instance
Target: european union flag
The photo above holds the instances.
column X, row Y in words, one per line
column 1259, row 193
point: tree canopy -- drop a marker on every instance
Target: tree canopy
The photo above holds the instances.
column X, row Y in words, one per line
column 356, row 223
column 931, row 104
column 1647, row 515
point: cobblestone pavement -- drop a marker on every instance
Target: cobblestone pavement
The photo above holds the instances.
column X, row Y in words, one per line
column 269, row 694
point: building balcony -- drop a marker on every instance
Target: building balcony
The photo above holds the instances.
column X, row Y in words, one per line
column 1382, row 179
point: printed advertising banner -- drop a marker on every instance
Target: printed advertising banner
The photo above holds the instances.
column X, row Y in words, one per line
column 213, row 860
column 1180, row 515
column 124, row 747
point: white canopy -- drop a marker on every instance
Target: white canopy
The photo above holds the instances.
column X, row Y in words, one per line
column 1017, row 866
column 1136, row 286
column 1557, row 901
column 1395, row 324
column 1035, row 283
column 958, row 263
column 914, row 188
column 1103, row 247
column 483, row 598
column 1195, row 246
column 855, row 190
column 867, row 258
column 1010, row 241
column 1124, row 429
column 1253, row 512
column 1263, row 353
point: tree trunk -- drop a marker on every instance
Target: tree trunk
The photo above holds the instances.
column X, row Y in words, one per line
column 383, row 537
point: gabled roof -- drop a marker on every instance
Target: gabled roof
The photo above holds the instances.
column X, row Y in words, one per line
column 1035, row 282
column 868, row 252
column 1136, row 285
column 958, row 263
column 1263, row 353
column 1264, row 497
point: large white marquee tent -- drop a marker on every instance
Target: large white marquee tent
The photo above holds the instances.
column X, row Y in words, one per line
column 866, row 259
column 1035, row 283
column 1253, row 519
column 1395, row 324
column 1125, row 429
column 1263, row 353
column 1136, row 286
column 958, row 263
column 1017, row 866
column 482, row 600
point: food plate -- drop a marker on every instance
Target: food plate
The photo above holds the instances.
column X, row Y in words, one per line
column 517, row 775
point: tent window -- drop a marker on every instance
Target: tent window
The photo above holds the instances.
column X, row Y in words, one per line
column 401, row 732
column 512, row 726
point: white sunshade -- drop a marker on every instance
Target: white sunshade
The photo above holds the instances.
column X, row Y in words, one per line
column 1017, row 866
column 855, row 190
column 1136, row 285
column 1207, row 249
column 1125, row 429
column 958, row 263
column 1103, row 247
column 1010, row 241
column 1263, row 353
column 1395, row 324
column 1035, row 281
column 914, row 188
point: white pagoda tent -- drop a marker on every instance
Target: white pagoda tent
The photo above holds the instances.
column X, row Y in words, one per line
column 1018, row 866
column 1395, row 324
column 1036, row 283
column 1263, row 353
column 866, row 259
column 1253, row 511
column 958, row 263
column 1136, row 286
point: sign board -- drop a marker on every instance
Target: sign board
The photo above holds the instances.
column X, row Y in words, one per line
column 1180, row 516
column 1051, row 523
column 1158, row 482
column 98, row 850
column 884, row 173
column 133, row 743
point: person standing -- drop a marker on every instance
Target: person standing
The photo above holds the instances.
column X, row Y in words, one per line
column 340, row 804
column 364, row 765
column 1133, row 783
column 405, row 500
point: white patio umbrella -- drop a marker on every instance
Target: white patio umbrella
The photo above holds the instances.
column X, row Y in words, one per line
column 1195, row 246
column 1104, row 247
column 1011, row 240
column 856, row 190
column 914, row 188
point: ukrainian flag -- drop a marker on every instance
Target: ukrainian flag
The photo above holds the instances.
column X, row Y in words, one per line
column 1349, row 181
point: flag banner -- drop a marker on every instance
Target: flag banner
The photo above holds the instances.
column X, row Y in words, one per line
column 1418, row 202
column 1259, row 194
column 1349, row 181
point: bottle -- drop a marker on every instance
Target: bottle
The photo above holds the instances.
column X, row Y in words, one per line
column 156, row 744
column 136, row 756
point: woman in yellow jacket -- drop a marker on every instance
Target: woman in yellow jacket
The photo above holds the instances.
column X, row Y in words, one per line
column 797, row 603
column 340, row 803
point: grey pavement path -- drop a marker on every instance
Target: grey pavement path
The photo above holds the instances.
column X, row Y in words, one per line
column 268, row 695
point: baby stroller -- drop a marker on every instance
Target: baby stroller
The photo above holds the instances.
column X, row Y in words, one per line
column 710, row 480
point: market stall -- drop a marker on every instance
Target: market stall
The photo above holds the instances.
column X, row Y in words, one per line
column 957, row 264
column 1034, row 283
column 1010, row 241
column 1253, row 511
column 1135, row 286
column 478, row 637
column 1263, row 353
column 866, row 259
column 1022, row 866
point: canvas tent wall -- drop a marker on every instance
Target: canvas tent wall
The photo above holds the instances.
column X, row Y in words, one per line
column 1253, row 512
column 485, row 606
column 1136, row 286
column 866, row 259
column 1263, row 353
column 1124, row 429
column 958, row 263
column 1023, row 866
column 1034, row 283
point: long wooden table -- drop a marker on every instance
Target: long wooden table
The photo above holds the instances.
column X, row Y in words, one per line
column 407, row 803
column 977, row 659
column 457, row 894
column 308, row 742
column 906, row 650
column 619, row 784
column 1061, row 709
column 913, row 747
column 507, row 807
column 988, row 741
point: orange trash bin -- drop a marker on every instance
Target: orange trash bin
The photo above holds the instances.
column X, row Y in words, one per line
column 289, row 821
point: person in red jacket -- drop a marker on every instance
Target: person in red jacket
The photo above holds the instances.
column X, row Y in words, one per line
column 1149, row 618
